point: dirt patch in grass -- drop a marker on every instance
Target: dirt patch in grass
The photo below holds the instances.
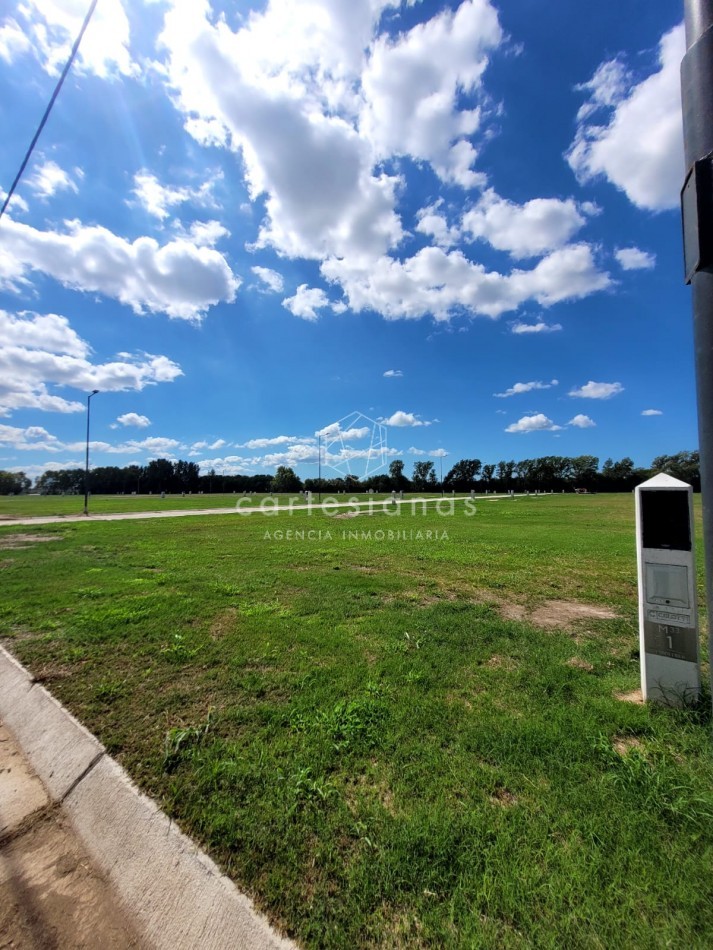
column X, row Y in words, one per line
column 561, row 613
column 366, row 786
column 223, row 623
column 579, row 664
column 556, row 613
column 422, row 595
column 633, row 697
column 503, row 797
column 51, row 672
column 624, row 744
column 6, row 563
column 513, row 612
column 18, row 541
column 458, row 699
column 16, row 634
column 402, row 930
column 498, row 662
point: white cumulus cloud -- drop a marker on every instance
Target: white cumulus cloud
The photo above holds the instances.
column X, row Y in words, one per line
column 306, row 302
column 51, row 26
column 592, row 390
column 518, row 327
column 133, row 419
column 158, row 199
column 414, row 85
column 155, row 446
column 537, row 422
column 632, row 258
column 519, row 388
column 527, row 230
column 274, row 440
column 270, row 279
column 40, row 353
column 247, row 91
column 48, row 178
column 638, row 143
column 401, row 418
column 652, row 412
column 434, row 224
column 178, row 278
column 318, row 101
column 393, row 373
column 582, row 422
column 435, row 282
column 13, row 41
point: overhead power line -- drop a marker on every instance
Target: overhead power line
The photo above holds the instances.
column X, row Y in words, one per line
column 51, row 103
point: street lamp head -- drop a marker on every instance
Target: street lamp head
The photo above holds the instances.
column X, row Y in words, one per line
column 94, row 392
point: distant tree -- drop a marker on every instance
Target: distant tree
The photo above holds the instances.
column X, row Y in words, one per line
column 424, row 476
column 377, row 483
column 463, row 475
column 487, row 474
column 551, row 472
column 132, row 479
column 399, row 482
column 505, row 472
column 107, row 480
column 159, row 475
column 285, row 480
column 584, row 471
column 683, row 465
column 14, row 483
column 523, row 473
column 185, row 475
column 618, row 476
column 65, row 481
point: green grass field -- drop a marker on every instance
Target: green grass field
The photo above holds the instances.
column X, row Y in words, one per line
column 35, row 506
column 386, row 740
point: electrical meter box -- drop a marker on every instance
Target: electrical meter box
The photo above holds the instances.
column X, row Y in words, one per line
column 668, row 612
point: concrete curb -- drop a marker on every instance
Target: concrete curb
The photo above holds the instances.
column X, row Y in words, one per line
column 58, row 747
column 176, row 896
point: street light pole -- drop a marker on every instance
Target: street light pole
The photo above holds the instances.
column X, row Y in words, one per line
column 319, row 467
column 441, row 460
column 86, row 462
column 697, row 208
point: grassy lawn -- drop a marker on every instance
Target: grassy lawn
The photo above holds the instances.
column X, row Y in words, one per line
column 385, row 741
column 35, row 506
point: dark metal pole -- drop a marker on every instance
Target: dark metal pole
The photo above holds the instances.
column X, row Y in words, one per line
column 319, row 468
column 86, row 461
column 697, row 95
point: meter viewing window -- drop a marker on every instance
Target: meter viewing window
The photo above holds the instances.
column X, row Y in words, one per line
column 665, row 519
column 667, row 584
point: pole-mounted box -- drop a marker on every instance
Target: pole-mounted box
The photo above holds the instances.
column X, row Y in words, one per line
column 668, row 610
column 697, row 218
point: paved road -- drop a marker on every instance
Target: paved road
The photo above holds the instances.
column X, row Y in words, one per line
column 257, row 509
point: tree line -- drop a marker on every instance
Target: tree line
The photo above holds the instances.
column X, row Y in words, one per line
column 14, row 483
column 159, row 475
column 547, row 473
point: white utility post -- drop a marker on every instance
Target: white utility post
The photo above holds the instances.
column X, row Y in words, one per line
column 668, row 610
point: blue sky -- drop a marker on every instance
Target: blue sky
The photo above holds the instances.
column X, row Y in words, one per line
column 245, row 222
